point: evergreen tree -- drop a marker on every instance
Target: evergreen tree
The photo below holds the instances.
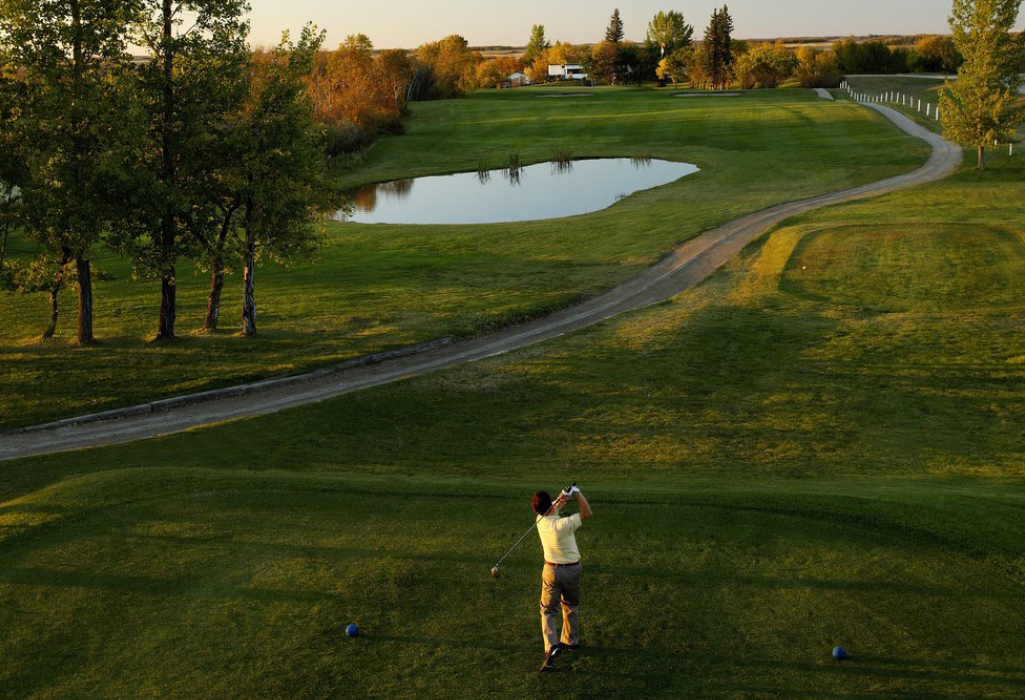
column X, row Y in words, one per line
column 981, row 108
column 718, row 49
column 614, row 34
column 537, row 45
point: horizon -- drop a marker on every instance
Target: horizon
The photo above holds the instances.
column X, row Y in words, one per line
column 579, row 22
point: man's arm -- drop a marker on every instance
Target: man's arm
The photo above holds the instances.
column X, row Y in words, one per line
column 585, row 507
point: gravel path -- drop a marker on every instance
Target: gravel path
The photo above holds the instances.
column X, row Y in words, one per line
column 685, row 268
column 824, row 94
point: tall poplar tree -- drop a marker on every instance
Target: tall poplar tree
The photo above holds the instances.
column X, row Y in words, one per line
column 537, row 45
column 982, row 108
column 68, row 56
column 670, row 32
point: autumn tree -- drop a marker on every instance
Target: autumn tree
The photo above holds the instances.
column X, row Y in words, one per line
column 537, row 45
column 766, row 66
column 981, row 108
column 604, row 64
column 674, row 66
column 395, row 70
column 451, row 66
column 614, row 34
column 69, row 56
column 937, row 54
column 817, row 68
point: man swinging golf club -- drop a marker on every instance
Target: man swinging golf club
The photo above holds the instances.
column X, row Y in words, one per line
column 560, row 581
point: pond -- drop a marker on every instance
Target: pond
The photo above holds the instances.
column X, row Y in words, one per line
column 544, row 191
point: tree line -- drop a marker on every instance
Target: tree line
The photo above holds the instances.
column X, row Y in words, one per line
column 203, row 151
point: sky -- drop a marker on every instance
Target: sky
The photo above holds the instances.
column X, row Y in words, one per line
column 409, row 23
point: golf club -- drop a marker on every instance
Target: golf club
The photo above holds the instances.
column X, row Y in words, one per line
column 566, row 494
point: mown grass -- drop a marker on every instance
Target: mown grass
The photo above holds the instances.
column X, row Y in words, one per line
column 821, row 445
column 378, row 287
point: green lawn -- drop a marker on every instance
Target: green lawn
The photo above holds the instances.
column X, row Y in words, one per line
column 379, row 287
column 821, row 445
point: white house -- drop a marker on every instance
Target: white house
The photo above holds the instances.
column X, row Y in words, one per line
column 567, row 71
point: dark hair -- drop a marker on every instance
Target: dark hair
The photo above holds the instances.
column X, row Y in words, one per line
column 541, row 503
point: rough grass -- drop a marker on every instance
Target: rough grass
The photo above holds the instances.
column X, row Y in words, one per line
column 378, row 287
column 821, row 445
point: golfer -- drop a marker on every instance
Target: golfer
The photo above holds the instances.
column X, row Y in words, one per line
column 560, row 581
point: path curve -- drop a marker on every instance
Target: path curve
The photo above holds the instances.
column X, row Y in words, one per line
column 688, row 266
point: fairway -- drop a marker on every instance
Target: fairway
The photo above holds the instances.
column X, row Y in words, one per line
column 819, row 446
column 375, row 288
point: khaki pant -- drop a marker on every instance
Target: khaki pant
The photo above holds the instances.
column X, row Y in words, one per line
column 560, row 585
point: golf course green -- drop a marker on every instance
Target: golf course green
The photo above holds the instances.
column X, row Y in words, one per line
column 819, row 446
column 375, row 288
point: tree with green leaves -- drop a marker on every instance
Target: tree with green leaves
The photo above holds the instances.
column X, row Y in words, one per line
column 614, row 34
column 981, row 108
column 69, row 57
column 537, row 45
column 718, row 49
column 670, row 32
column 13, row 168
column 280, row 176
column 192, row 83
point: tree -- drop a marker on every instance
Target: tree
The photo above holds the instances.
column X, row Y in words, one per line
column 69, row 56
column 605, row 66
column 674, row 66
column 981, row 108
column 614, row 34
column 670, row 32
column 490, row 75
column 452, row 67
column 817, row 68
column 281, row 171
column 395, row 70
column 189, row 89
column 937, row 54
column 537, row 45
column 717, row 53
column 765, row 66
column 13, row 168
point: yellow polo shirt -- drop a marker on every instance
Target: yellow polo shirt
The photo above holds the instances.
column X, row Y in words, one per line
column 559, row 539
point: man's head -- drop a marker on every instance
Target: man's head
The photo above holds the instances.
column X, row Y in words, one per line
column 541, row 503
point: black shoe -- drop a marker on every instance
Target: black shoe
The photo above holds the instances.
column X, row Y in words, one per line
column 549, row 662
column 570, row 647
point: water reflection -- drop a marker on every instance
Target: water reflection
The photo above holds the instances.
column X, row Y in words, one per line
column 545, row 191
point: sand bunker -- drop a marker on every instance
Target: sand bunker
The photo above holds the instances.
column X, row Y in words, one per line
column 709, row 94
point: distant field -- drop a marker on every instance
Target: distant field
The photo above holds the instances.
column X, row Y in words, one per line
column 378, row 287
column 819, row 446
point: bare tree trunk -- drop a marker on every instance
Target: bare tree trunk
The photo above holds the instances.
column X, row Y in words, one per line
column 249, row 293
column 167, row 224
column 54, row 315
column 213, row 304
column 3, row 246
column 85, row 301
column 168, row 289
column 982, row 157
